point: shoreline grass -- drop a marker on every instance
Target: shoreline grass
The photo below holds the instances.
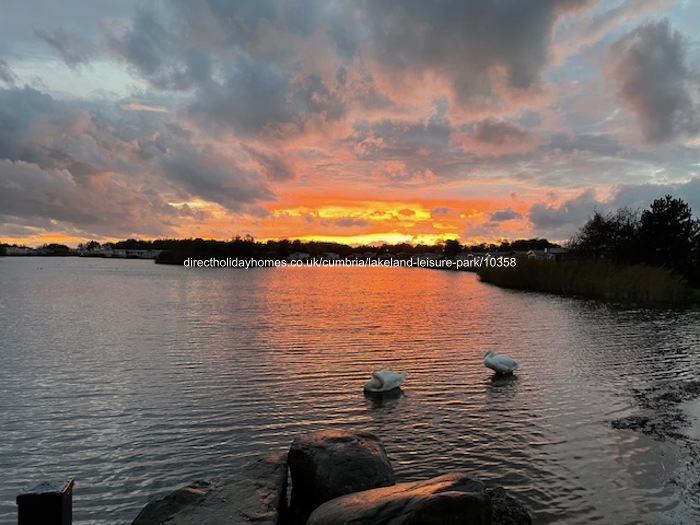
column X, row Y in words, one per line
column 594, row 280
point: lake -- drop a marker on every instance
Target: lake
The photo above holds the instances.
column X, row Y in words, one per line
column 136, row 378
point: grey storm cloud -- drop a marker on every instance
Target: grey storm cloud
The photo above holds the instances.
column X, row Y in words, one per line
column 240, row 20
column 203, row 47
column 36, row 195
column 563, row 220
column 20, row 109
column 649, row 68
column 251, row 98
column 73, row 49
column 208, row 175
column 258, row 96
column 272, row 165
column 53, row 157
column 214, row 49
column 207, row 49
column 640, row 196
column 465, row 40
column 113, row 170
column 398, row 138
column 160, row 55
column 423, row 148
column 571, row 213
column 53, row 134
column 505, row 215
column 311, row 95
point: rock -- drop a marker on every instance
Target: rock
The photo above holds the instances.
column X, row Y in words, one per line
column 331, row 463
column 257, row 493
column 156, row 511
column 445, row 500
column 506, row 509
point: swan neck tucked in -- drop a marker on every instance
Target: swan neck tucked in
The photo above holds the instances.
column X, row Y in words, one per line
column 379, row 378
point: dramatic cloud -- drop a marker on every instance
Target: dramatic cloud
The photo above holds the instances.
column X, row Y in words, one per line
column 32, row 193
column 571, row 213
column 493, row 137
column 74, row 49
column 654, row 81
column 372, row 121
column 159, row 55
column 274, row 166
column 251, row 98
column 21, row 110
column 79, row 167
column 206, row 174
column 641, row 196
column 505, row 215
column 467, row 42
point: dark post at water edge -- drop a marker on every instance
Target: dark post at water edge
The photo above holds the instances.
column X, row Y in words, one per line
column 46, row 504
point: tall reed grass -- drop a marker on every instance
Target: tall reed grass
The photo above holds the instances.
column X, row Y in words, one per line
column 592, row 279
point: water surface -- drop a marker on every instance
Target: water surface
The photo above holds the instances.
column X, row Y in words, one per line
column 137, row 378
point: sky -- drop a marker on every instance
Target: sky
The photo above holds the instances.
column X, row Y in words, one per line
column 349, row 121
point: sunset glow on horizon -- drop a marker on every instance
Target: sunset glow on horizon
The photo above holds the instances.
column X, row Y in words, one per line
column 359, row 123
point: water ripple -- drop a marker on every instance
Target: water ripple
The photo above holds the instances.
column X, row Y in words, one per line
column 137, row 378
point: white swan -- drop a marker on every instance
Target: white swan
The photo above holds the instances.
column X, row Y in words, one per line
column 384, row 380
column 500, row 363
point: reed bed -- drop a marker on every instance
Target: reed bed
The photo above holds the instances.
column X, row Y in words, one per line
column 592, row 279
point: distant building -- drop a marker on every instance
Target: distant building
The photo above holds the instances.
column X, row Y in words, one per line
column 19, row 250
column 557, row 253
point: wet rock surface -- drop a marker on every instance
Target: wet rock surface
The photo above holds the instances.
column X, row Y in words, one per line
column 351, row 473
column 444, row 500
column 330, row 463
column 663, row 417
column 256, row 494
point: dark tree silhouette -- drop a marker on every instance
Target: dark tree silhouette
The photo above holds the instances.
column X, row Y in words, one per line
column 668, row 234
column 594, row 239
column 452, row 248
column 665, row 235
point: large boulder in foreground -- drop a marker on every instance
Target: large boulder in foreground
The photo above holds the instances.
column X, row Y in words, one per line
column 257, row 494
column 450, row 499
column 330, row 463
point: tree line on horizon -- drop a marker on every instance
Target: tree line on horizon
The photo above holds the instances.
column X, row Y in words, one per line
column 665, row 235
column 247, row 247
